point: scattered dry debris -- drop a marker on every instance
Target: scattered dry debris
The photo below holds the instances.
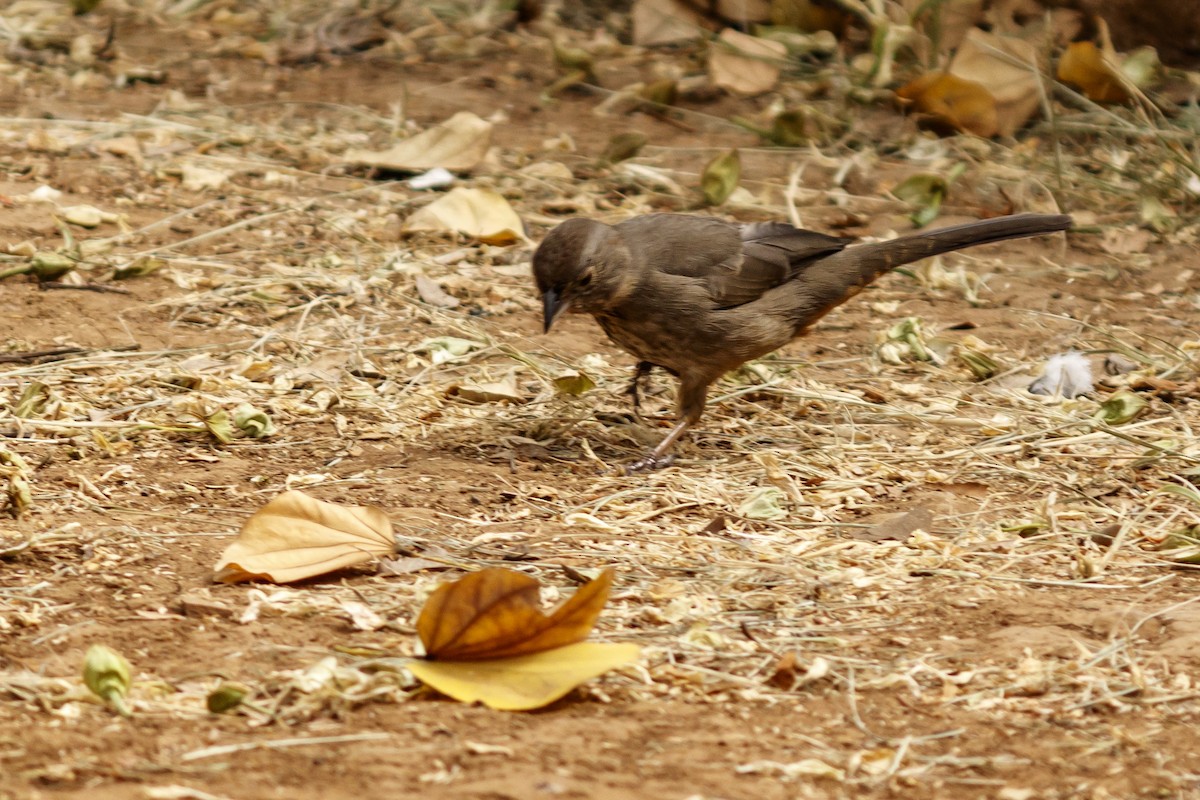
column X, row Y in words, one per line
column 300, row 316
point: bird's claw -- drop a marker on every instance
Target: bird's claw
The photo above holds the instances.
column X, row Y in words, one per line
column 650, row 463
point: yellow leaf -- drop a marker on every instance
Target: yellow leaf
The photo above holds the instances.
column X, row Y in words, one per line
column 494, row 613
column 296, row 536
column 960, row 104
column 1085, row 65
column 480, row 213
column 720, row 177
column 524, row 682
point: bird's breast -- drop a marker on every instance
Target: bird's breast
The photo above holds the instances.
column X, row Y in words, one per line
column 646, row 338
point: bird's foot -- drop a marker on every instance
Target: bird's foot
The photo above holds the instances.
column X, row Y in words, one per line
column 642, row 369
column 650, row 462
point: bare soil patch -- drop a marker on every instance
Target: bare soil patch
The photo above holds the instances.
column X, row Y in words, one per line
column 1031, row 643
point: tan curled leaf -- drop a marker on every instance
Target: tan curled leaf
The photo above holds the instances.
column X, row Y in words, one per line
column 494, row 613
column 524, row 682
column 479, row 213
column 657, row 22
column 501, row 391
column 296, row 536
column 457, row 144
column 1007, row 68
column 745, row 64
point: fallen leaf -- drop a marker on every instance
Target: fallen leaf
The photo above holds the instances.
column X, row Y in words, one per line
column 408, row 564
column 296, row 536
column 502, row 391
column 479, row 213
column 138, row 268
column 720, row 177
column 88, row 216
column 253, row 422
column 952, row 101
column 1082, row 64
column 926, row 191
column 458, row 144
column 745, row 64
column 362, row 616
column 897, row 527
column 198, row 179
column 765, row 503
column 573, row 382
column 622, row 146
column 523, row 682
column 1121, row 407
column 495, row 613
column 1007, row 67
column 442, row 349
column 109, row 676
column 657, row 22
column 431, row 292
column 989, row 89
column 1104, row 75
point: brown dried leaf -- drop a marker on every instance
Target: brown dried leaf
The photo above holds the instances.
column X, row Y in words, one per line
column 494, row 613
column 745, row 64
column 1007, row 68
column 296, row 536
column 898, row 527
column 457, row 144
column 431, row 292
column 657, row 22
column 1083, row 64
column 960, row 104
column 479, row 213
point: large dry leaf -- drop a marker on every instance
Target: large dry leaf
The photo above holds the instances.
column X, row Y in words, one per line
column 745, row 64
column 494, row 613
column 658, row 22
column 523, row 682
column 296, row 536
column 479, row 213
column 991, row 88
column 457, row 144
column 1007, row 67
column 962, row 105
column 1084, row 65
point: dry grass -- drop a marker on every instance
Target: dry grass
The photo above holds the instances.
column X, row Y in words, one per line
column 331, row 339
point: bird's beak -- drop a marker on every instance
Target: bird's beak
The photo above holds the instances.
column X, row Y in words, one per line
column 552, row 307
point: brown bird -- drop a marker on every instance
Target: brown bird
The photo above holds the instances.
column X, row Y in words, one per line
column 700, row 296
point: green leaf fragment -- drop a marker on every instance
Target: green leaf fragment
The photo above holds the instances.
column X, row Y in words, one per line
column 107, row 674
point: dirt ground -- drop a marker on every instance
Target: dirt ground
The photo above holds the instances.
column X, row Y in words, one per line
column 1029, row 642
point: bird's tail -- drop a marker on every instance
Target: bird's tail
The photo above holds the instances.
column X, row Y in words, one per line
column 834, row 279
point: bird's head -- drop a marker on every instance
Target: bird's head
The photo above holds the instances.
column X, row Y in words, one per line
column 582, row 266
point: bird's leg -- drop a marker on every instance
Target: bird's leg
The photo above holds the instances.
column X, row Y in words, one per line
column 639, row 372
column 692, row 396
column 658, row 457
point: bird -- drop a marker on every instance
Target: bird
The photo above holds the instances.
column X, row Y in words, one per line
column 699, row 296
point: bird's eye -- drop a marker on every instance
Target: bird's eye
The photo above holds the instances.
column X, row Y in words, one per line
column 585, row 280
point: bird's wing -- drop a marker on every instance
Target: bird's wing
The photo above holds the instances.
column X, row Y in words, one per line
column 738, row 263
